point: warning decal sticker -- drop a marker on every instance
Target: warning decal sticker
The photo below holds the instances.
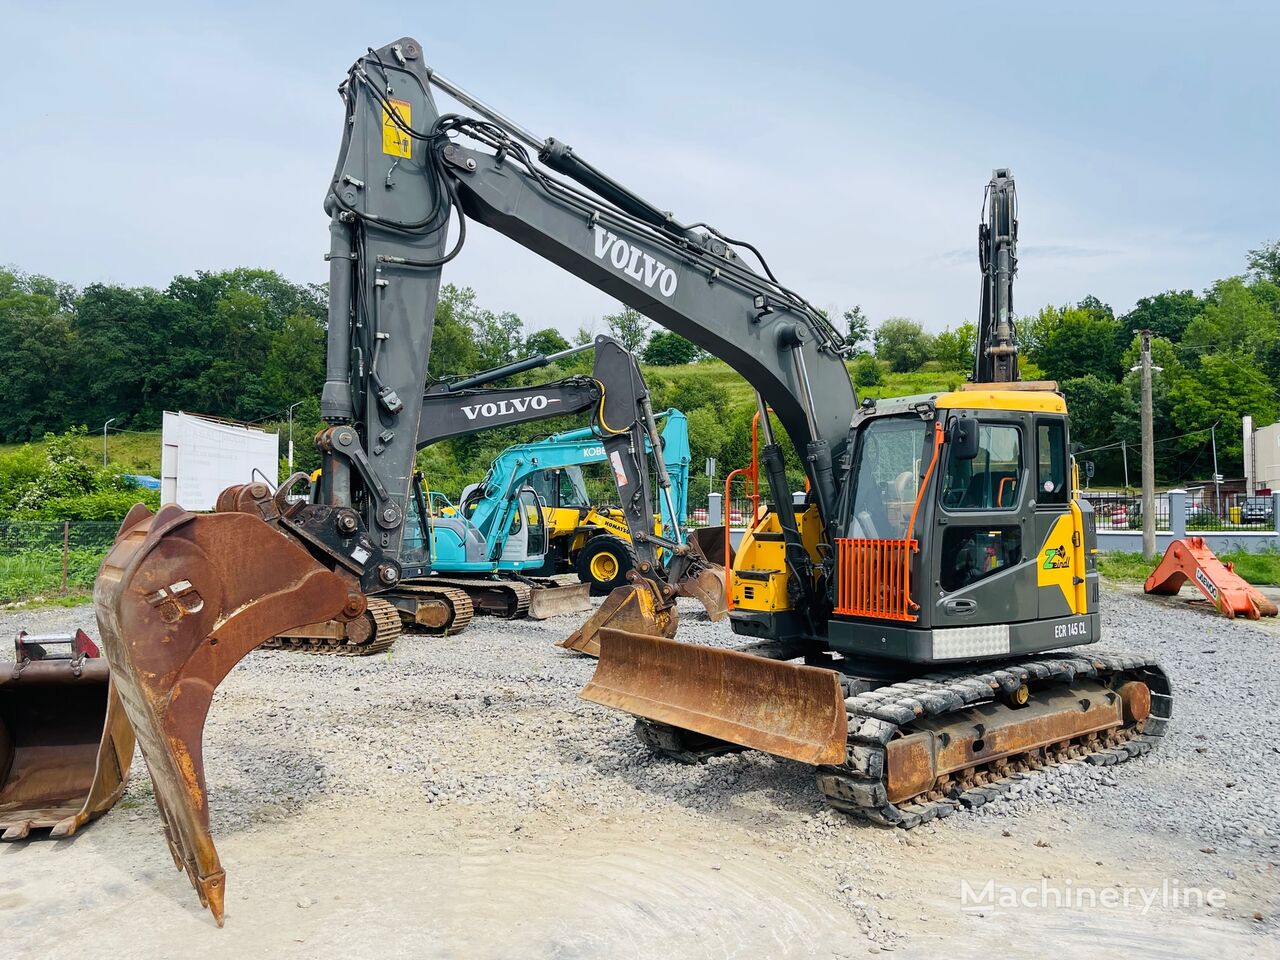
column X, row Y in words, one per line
column 394, row 140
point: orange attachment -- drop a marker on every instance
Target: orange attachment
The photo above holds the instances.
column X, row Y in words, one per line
column 1191, row 559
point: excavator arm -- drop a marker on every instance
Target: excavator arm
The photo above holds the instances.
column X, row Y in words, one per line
column 995, row 359
column 181, row 598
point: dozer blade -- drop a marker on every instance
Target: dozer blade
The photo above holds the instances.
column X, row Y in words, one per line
column 770, row 705
column 65, row 746
column 638, row 608
column 554, row 599
column 180, row 600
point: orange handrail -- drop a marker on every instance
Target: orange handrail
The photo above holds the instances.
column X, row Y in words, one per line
column 728, row 552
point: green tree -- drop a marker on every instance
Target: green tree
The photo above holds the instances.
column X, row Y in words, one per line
column 629, row 327
column 954, row 348
column 857, row 328
column 1079, row 341
column 294, row 367
column 1092, row 403
column 547, row 340
column 1165, row 315
column 667, row 349
column 1234, row 320
column 40, row 363
column 1220, row 391
column 1264, row 263
column 902, row 343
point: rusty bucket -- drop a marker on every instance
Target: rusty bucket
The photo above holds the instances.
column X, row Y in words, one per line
column 638, row 607
column 777, row 707
column 65, row 742
column 180, row 600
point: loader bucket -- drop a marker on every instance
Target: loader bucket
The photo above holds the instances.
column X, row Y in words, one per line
column 65, row 745
column 180, row 600
column 639, row 608
column 557, row 599
column 781, row 708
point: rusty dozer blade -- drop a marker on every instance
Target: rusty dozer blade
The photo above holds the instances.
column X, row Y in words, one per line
column 180, row 600
column 781, row 708
column 639, row 607
column 551, row 598
column 65, row 742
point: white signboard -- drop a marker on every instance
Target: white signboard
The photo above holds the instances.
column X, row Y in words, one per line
column 200, row 458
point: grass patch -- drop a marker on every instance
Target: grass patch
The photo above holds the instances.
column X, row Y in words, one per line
column 30, row 574
column 1260, row 569
column 130, row 452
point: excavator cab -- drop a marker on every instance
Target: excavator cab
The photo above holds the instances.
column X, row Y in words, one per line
column 962, row 542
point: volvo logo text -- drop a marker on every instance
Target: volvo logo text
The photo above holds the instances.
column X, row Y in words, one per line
column 503, row 408
column 634, row 262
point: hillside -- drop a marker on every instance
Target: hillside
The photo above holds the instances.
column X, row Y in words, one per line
column 139, row 451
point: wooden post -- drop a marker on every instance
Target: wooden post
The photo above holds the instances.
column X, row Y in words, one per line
column 66, row 539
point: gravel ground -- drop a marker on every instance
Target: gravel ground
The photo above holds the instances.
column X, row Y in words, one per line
column 456, row 798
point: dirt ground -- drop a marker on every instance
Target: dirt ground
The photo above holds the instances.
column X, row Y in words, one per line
column 456, row 799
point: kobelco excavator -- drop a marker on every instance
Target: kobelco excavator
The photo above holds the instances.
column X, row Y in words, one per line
column 938, row 556
column 486, row 563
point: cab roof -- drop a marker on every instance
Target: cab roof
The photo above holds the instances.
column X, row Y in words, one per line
column 1030, row 401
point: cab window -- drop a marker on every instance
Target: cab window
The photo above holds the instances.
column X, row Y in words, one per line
column 1051, row 459
column 990, row 481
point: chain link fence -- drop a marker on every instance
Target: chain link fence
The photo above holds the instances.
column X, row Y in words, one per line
column 50, row 558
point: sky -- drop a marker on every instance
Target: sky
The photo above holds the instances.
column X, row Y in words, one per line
column 850, row 142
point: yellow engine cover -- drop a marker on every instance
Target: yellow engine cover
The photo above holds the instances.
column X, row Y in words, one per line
column 759, row 575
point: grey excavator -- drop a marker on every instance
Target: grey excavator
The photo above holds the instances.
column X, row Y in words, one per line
column 901, row 625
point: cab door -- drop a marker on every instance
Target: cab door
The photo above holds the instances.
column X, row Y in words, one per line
column 981, row 569
column 1059, row 527
column 527, row 530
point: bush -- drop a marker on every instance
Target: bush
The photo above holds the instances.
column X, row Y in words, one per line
column 867, row 372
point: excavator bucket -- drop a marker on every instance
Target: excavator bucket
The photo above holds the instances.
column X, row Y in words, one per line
column 638, row 608
column 781, row 708
column 65, row 742
column 705, row 579
column 180, row 600
column 1191, row 559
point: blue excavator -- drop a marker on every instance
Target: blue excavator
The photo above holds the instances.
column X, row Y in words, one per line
column 531, row 517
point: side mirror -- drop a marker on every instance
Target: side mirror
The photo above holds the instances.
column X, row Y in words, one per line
column 963, row 437
column 1088, row 469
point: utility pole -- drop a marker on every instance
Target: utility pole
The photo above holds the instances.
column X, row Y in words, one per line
column 1124, row 455
column 104, row 441
column 1217, row 477
column 1148, row 455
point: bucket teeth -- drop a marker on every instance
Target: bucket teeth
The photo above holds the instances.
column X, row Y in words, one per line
column 180, row 600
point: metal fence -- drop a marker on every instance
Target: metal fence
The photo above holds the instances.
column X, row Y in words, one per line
column 51, row 558
column 1204, row 511
column 1123, row 511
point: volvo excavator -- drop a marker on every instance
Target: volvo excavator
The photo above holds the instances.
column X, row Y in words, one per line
column 900, row 620
column 483, row 570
